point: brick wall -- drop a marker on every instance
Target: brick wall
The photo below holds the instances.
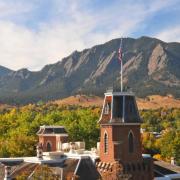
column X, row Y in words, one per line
column 106, row 157
column 45, row 139
column 120, row 135
column 118, row 143
column 118, row 150
column 53, row 140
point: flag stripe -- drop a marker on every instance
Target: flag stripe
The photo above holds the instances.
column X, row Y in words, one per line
column 120, row 54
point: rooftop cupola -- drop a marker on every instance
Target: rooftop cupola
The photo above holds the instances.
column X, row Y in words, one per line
column 119, row 107
column 52, row 137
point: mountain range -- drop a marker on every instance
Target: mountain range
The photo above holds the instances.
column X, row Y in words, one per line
column 151, row 66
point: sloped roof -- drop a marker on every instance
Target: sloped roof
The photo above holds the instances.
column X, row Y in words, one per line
column 1, row 171
column 87, row 170
column 119, row 108
column 51, row 130
column 169, row 167
column 69, row 167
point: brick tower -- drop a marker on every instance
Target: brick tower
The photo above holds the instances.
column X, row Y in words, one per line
column 120, row 139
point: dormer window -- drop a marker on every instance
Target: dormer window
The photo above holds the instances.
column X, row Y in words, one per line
column 107, row 108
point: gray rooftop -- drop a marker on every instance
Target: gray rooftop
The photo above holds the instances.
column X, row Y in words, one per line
column 51, row 130
column 84, row 168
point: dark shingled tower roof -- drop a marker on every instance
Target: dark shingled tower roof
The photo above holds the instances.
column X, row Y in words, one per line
column 119, row 107
column 51, row 130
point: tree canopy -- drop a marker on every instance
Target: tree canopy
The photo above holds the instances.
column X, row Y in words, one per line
column 18, row 127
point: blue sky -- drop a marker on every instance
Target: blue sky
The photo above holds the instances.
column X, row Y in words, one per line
column 39, row 32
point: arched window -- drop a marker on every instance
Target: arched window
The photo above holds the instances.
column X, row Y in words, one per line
column 131, row 142
column 105, row 143
column 107, row 108
column 49, row 148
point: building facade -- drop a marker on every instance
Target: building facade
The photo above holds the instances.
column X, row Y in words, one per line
column 120, row 139
column 51, row 138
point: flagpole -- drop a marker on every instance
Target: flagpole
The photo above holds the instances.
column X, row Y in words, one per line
column 121, row 76
column 121, row 67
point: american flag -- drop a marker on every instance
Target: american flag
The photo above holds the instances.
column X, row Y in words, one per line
column 120, row 52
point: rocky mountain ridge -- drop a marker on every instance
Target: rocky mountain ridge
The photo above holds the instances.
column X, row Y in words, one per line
column 151, row 66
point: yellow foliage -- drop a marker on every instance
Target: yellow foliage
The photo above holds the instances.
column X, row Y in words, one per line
column 157, row 156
